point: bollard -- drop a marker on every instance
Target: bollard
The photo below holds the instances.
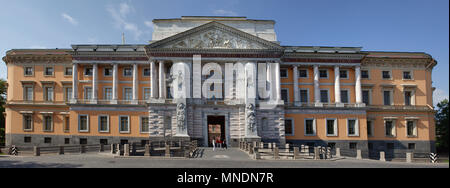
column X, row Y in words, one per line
column 255, row 143
column 276, row 154
column 102, row 148
column 296, row 153
column 358, row 154
column 82, row 149
column 261, row 145
column 274, row 145
column 409, row 157
column 287, row 148
column 338, row 152
column 61, row 150
column 269, row 145
column 112, row 148
column 257, row 155
column 316, row 153
column 126, row 150
column 302, row 149
column 167, row 151
column 329, row 154
column 382, row 156
column 118, row 152
column 307, row 150
column 250, row 149
column 147, row 150
column 36, row 151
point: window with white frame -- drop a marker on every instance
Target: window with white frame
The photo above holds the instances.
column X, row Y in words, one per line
column 66, row 127
column 124, row 124
column 147, row 93
column 48, row 123
column 289, row 127
column 28, row 93
column 83, row 123
column 408, row 97
column 324, row 96
column 48, row 71
column 411, row 128
column 389, row 126
column 407, row 75
column 67, row 93
column 344, row 96
column 310, row 127
column 145, row 123
column 88, row 71
column 387, row 97
column 103, row 123
column 127, row 72
column 28, row 71
column 386, row 74
column 366, row 97
column 331, row 127
column 48, row 95
column 88, row 93
column 352, row 127
column 128, row 94
column 68, row 71
column 303, row 95
column 108, row 93
column 107, row 72
column 28, row 122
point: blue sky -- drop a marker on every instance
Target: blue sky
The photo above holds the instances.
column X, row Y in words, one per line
column 410, row 25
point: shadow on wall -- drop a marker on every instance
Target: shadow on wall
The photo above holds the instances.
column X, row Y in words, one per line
column 19, row 164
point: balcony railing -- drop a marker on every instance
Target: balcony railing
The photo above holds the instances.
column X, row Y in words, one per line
column 26, row 102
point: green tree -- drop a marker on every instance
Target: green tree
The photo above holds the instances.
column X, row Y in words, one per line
column 442, row 117
column 2, row 109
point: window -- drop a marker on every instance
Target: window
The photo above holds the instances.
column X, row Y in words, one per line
column 66, row 140
column 366, row 97
column 352, row 127
column 107, row 71
column 411, row 146
column 324, row 96
column 352, row 145
column 167, row 125
column 83, row 123
column 124, row 124
column 390, row 128
column 387, row 98
column 48, row 71
column 283, row 73
column 128, row 72
column 365, row 74
column 28, row 94
column 88, row 93
column 48, row 93
column 88, row 71
column 285, row 95
column 68, row 71
column 83, row 141
column 390, row 146
column 408, row 97
column 369, row 128
column 344, row 96
column 145, row 123
column 147, row 94
column 370, row 145
column 323, row 73
column 386, row 74
column 67, row 93
column 108, row 93
column 128, row 94
column 28, row 71
column 103, row 123
column 48, row 123
column 310, row 127
column 147, row 72
column 27, row 139
column 407, row 75
column 343, row 74
column 331, row 127
column 66, row 124
column 47, row 140
column 289, row 128
column 411, row 130
column 104, row 141
column 303, row 95
column 303, row 73
column 28, row 122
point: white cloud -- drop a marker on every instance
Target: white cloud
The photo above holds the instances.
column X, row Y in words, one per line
column 222, row 12
column 37, row 47
column 149, row 24
column 119, row 14
column 69, row 18
column 439, row 95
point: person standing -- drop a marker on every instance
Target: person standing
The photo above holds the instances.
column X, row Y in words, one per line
column 225, row 144
column 213, row 141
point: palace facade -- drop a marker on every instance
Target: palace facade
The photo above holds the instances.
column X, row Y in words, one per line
column 337, row 96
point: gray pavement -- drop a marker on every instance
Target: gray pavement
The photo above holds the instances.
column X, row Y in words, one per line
column 232, row 158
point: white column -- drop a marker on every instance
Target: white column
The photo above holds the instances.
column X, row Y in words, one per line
column 296, row 90
column 337, row 86
column 115, row 84
column 358, row 92
column 154, row 80
column 278, row 81
column 316, row 85
column 95, row 83
column 135, row 84
column 74, row 83
column 162, row 81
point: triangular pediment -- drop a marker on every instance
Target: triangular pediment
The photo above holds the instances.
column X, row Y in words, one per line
column 214, row 35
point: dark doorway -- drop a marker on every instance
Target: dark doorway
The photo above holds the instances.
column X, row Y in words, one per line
column 216, row 128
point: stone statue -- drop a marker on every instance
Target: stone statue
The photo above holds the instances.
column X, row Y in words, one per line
column 251, row 117
column 181, row 116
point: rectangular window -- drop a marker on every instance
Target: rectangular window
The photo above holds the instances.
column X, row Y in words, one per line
column 390, row 128
column 88, row 93
column 124, row 124
column 303, row 95
column 387, row 98
column 104, row 141
column 48, row 123
column 83, row 141
column 47, row 140
column 408, row 97
column 27, row 122
column 331, row 127
column 285, row 95
column 66, row 124
column 88, row 71
column 128, row 94
column 68, row 71
column 344, row 96
column 366, row 97
column 147, row 72
column 352, row 127
column 48, row 93
column 83, row 121
column 365, row 74
column 68, row 93
column 103, row 123
column 28, row 71
column 108, row 71
column 108, row 93
column 343, row 74
column 289, row 129
column 369, row 128
column 128, row 72
column 66, row 140
column 147, row 94
column 27, row 139
column 303, row 73
column 145, row 123
column 283, row 73
column 411, row 129
column 407, row 75
column 386, row 74
column 353, row 145
column 411, row 146
column 48, row 71
column 28, row 96
column 309, row 127
column 323, row 73
column 324, row 96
